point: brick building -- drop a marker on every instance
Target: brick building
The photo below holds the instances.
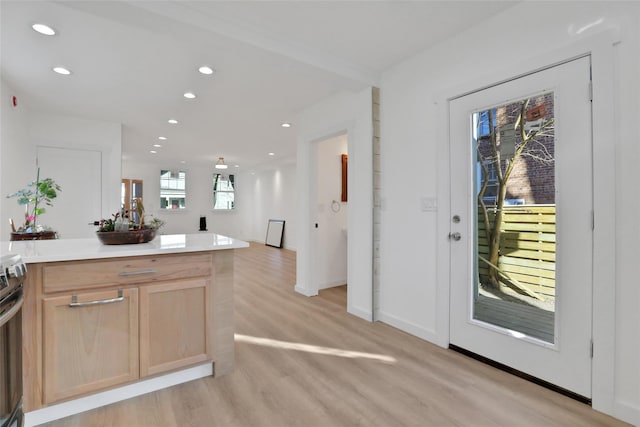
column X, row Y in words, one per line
column 533, row 178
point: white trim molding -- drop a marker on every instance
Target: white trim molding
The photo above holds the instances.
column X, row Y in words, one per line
column 76, row 406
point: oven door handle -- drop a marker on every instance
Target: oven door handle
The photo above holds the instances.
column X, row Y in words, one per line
column 16, row 304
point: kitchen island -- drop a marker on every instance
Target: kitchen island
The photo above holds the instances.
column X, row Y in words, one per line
column 103, row 323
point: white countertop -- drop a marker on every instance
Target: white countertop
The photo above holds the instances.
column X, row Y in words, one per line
column 34, row 251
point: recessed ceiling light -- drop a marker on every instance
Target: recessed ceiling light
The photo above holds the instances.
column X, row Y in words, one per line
column 173, row 121
column 162, row 138
column 62, row 70
column 189, row 95
column 272, row 154
column 206, row 70
column 286, row 125
column 157, row 145
column 43, row 29
column 183, row 161
column 153, row 151
column 236, row 166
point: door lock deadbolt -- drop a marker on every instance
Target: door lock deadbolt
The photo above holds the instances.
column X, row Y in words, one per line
column 456, row 219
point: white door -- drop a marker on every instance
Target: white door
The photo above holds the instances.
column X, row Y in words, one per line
column 79, row 173
column 521, row 156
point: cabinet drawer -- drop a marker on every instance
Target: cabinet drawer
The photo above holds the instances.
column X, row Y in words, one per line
column 65, row 276
column 90, row 346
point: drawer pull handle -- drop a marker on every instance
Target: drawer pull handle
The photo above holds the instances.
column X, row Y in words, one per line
column 75, row 303
column 134, row 273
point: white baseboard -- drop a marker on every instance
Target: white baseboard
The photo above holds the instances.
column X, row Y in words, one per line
column 309, row 293
column 332, row 284
column 304, row 291
column 627, row 412
column 361, row 313
column 410, row 328
column 76, row 406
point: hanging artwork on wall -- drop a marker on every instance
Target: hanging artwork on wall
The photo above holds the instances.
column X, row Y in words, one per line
column 275, row 231
column 345, row 159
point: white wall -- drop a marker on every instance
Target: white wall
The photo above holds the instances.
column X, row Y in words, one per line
column 331, row 214
column 199, row 199
column 270, row 194
column 58, row 131
column 267, row 194
column 350, row 113
column 23, row 130
column 412, row 124
column 17, row 157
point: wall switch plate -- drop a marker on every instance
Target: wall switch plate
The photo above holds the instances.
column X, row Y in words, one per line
column 428, row 204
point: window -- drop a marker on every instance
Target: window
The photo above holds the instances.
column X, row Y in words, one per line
column 172, row 189
column 224, row 187
column 491, row 192
column 483, row 122
column 130, row 191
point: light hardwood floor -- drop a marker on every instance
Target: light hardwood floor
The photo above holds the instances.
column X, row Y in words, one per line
column 306, row 362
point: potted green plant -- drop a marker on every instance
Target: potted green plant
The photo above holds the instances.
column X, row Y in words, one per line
column 128, row 227
column 35, row 197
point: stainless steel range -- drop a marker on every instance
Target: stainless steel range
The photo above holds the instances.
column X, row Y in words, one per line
column 12, row 274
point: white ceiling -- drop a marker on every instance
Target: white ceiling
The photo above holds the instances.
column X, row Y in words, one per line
column 133, row 60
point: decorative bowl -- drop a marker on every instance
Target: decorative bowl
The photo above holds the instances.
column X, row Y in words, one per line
column 39, row 235
column 126, row 237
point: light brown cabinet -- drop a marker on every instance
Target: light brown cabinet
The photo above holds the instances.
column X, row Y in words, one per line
column 173, row 327
column 97, row 324
column 90, row 342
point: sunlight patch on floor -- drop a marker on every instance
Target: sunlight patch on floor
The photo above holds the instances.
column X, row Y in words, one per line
column 268, row 342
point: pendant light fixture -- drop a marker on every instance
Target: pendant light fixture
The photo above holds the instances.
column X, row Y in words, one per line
column 220, row 163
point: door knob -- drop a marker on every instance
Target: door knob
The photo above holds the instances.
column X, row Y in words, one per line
column 455, row 236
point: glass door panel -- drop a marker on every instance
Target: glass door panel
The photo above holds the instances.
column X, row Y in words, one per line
column 514, row 184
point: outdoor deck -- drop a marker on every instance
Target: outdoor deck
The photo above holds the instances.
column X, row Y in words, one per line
column 521, row 317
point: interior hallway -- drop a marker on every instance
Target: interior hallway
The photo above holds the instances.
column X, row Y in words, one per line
column 306, row 362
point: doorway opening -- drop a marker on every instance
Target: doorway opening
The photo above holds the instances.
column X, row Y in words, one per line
column 330, row 238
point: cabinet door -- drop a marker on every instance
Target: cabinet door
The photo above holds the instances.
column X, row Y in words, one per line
column 90, row 342
column 173, row 325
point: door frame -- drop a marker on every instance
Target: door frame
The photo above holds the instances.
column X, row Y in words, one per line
column 315, row 285
column 600, row 48
column 359, row 273
column 349, row 113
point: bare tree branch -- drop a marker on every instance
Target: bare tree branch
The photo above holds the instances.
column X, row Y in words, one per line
column 531, row 145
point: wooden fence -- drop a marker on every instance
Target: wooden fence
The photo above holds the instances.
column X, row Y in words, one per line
column 527, row 246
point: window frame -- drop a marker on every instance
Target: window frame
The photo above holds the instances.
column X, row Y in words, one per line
column 181, row 176
column 228, row 178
